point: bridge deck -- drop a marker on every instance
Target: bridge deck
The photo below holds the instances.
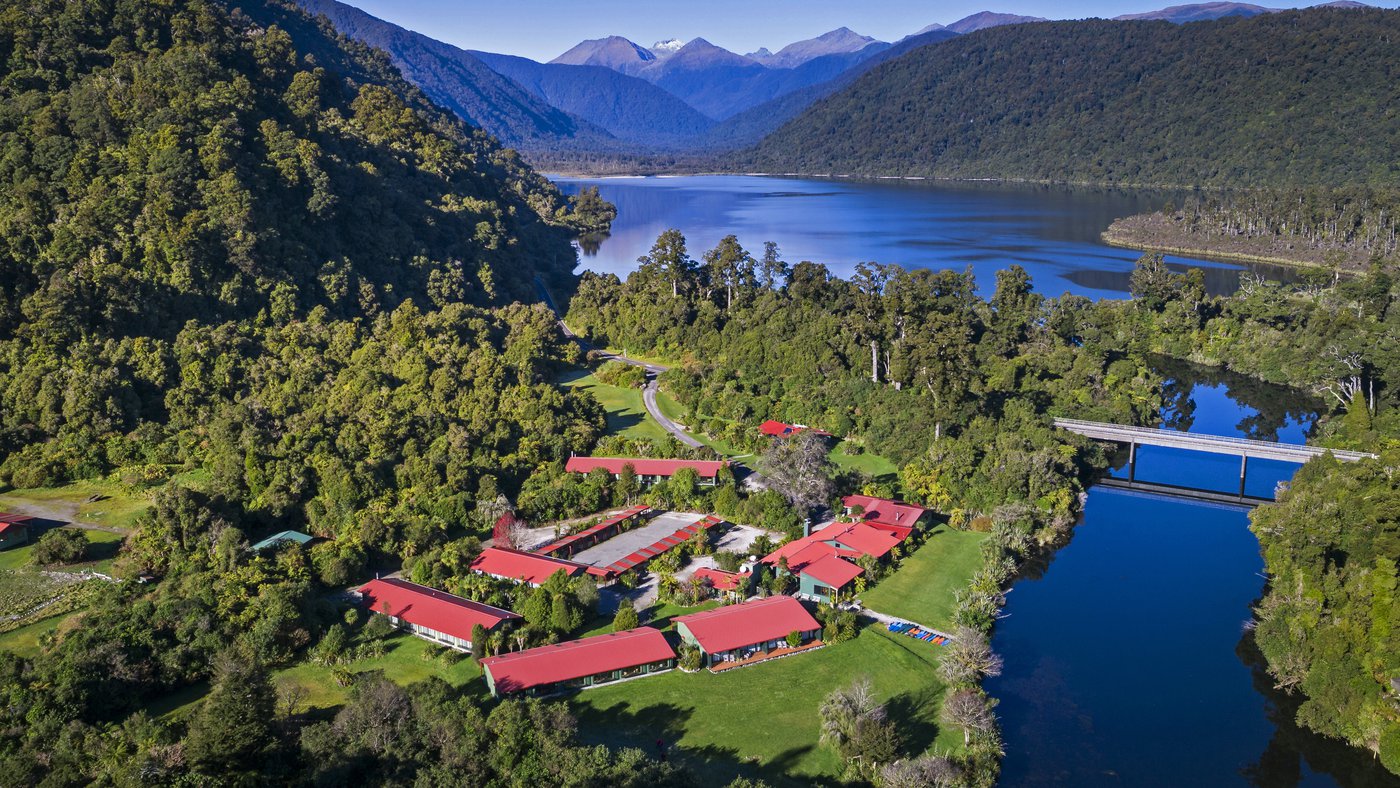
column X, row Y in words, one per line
column 1215, row 444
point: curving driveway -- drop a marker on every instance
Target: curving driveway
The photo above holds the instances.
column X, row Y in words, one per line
column 648, row 391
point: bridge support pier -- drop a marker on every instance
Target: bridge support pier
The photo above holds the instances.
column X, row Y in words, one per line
column 1132, row 461
column 1244, row 464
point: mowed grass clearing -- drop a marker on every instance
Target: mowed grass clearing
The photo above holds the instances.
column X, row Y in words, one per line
column 627, row 415
column 922, row 588
column 25, row 640
column 763, row 720
column 102, row 547
column 872, row 465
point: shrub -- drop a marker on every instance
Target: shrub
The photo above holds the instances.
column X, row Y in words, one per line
column 626, row 617
column 61, row 546
column 691, row 658
column 378, row 627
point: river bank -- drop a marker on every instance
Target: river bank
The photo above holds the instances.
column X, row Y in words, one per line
column 1156, row 232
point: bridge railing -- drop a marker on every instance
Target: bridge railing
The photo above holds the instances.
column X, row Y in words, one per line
column 1187, row 437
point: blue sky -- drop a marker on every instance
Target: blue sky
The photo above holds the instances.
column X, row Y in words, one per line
column 542, row 29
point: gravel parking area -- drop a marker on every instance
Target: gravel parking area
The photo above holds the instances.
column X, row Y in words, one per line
column 624, row 544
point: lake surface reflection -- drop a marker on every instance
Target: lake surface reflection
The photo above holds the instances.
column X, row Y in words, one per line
column 1053, row 232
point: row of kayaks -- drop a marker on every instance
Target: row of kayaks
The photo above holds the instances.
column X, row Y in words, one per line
column 917, row 633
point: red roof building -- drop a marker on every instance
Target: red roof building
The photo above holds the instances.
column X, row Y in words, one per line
column 723, row 584
column 719, row 579
column 522, row 567
column 848, row 540
column 824, row 562
column 778, row 429
column 431, row 614
column 741, row 631
column 647, row 470
column 592, row 535
column 831, row 571
column 580, row 663
column 14, row 529
column 885, row 513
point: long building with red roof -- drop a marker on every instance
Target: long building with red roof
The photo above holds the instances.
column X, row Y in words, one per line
column 521, row 567
column 579, row 664
column 649, row 471
column 432, row 614
column 741, row 632
column 596, row 534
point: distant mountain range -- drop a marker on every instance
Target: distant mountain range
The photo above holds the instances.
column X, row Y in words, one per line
column 614, row 97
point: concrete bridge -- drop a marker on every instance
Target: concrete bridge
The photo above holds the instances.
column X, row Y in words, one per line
column 1243, row 448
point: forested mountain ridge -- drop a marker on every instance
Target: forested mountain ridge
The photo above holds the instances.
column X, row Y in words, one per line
column 239, row 250
column 136, row 207
column 457, row 80
column 630, row 109
column 1230, row 102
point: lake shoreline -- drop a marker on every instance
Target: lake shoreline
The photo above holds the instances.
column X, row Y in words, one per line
column 1154, row 232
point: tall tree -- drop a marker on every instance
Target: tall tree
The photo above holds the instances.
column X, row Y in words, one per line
column 731, row 267
column 798, row 468
column 669, row 262
column 773, row 271
column 232, row 732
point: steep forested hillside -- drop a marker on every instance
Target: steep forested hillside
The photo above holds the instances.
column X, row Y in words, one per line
column 240, row 250
column 518, row 116
column 1307, row 96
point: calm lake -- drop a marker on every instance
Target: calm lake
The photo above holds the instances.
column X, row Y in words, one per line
column 1127, row 658
column 1052, row 232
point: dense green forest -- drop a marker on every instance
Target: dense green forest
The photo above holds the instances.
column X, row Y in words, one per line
column 1347, row 227
column 911, row 365
column 1229, row 103
column 239, row 248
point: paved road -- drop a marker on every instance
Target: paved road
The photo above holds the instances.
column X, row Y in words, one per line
column 649, row 399
column 648, row 392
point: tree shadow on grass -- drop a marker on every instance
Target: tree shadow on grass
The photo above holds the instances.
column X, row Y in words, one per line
column 626, row 724
column 912, row 714
column 102, row 551
column 621, row 422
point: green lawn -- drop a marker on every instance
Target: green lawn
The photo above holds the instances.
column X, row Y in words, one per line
column 102, row 548
column 869, row 464
column 659, row 615
column 408, row 659
column 627, row 415
column 922, row 589
column 763, row 720
column 25, row 640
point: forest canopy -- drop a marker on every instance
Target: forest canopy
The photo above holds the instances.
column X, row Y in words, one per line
column 1229, row 103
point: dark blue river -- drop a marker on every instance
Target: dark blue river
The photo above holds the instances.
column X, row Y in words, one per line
column 1052, row 232
column 1127, row 658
